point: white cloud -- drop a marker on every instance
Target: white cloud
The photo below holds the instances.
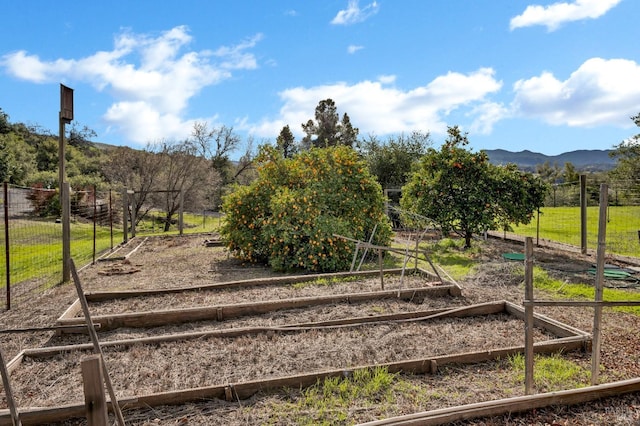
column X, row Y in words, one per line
column 485, row 116
column 353, row 14
column 600, row 92
column 556, row 14
column 379, row 107
column 352, row 48
column 152, row 79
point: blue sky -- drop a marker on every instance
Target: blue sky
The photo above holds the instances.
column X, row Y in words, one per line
column 547, row 76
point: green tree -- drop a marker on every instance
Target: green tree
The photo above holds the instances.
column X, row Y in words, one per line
column 627, row 154
column 288, row 217
column 327, row 129
column 17, row 159
column 464, row 192
column 570, row 174
column 549, row 173
column 391, row 161
column 286, row 142
column 5, row 126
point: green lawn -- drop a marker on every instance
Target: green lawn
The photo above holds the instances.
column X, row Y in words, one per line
column 562, row 224
column 193, row 224
column 35, row 249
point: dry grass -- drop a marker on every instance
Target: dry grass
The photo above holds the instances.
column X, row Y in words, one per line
column 183, row 262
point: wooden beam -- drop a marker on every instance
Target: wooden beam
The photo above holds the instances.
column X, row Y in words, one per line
column 554, row 327
column 96, row 343
column 583, row 303
column 247, row 389
column 6, row 383
column 176, row 316
column 487, row 308
column 94, row 396
column 599, row 284
column 528, row 317
column 255, row 282
column 511, row 405
column 73, row 310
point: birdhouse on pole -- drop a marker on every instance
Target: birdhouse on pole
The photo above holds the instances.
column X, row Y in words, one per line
column 66, row 104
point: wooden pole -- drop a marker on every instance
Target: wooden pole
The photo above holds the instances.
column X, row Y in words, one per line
column 181, row 213
column 65, row 194
column 528, row 323
column 583, row 214
column 381, row 269
column 538, row 228
column 599, row 284
column 15, row 417
column 96, row 344
column 125, row 214
column 94, row 398
column 134, row 208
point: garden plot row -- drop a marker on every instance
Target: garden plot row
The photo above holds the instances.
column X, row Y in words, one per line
column 136, row 309
column 236, row 363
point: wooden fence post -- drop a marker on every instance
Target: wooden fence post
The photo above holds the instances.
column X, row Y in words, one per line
column 528, row 317
column 600, row 254
column 96, row 344
column 583, row 214
column 65, row 202
column 125, row 214
column 94, row 397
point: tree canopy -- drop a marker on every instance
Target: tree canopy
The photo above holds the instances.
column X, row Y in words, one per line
column 627, row 154
column 328, row 129
column 288, row 217
column 391, row 161
column 462, row 191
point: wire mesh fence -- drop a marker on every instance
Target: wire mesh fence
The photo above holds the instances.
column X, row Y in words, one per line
column 560, row 219
column 32, row 236
column 31, row 231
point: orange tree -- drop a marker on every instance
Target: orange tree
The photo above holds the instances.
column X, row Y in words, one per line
column 462, row 191
column 289, row 216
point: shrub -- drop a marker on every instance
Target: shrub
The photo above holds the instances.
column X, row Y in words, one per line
column 289, row 216
column 45, row 202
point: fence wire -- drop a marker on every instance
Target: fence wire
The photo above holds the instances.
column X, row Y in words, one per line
column 32, row 236
column 560, row 218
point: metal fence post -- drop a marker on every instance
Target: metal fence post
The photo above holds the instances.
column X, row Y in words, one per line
column 6, row 244
column 95, row 209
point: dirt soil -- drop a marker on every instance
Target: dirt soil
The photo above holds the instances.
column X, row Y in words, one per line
column 157, row 263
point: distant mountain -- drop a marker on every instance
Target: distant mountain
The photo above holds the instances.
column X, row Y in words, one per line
column 584, row 160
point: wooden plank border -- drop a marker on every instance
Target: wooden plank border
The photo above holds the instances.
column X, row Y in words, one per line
column 481, row 309
column 512, row 405
column 243, row 390
column 100, row 296
column 222, row 312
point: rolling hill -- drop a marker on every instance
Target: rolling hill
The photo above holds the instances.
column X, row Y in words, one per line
column 583, row 160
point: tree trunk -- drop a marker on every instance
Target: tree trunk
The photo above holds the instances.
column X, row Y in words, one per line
column 467, row 239
column 167, row 223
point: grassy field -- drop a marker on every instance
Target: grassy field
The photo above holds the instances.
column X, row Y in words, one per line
column 562, row 224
